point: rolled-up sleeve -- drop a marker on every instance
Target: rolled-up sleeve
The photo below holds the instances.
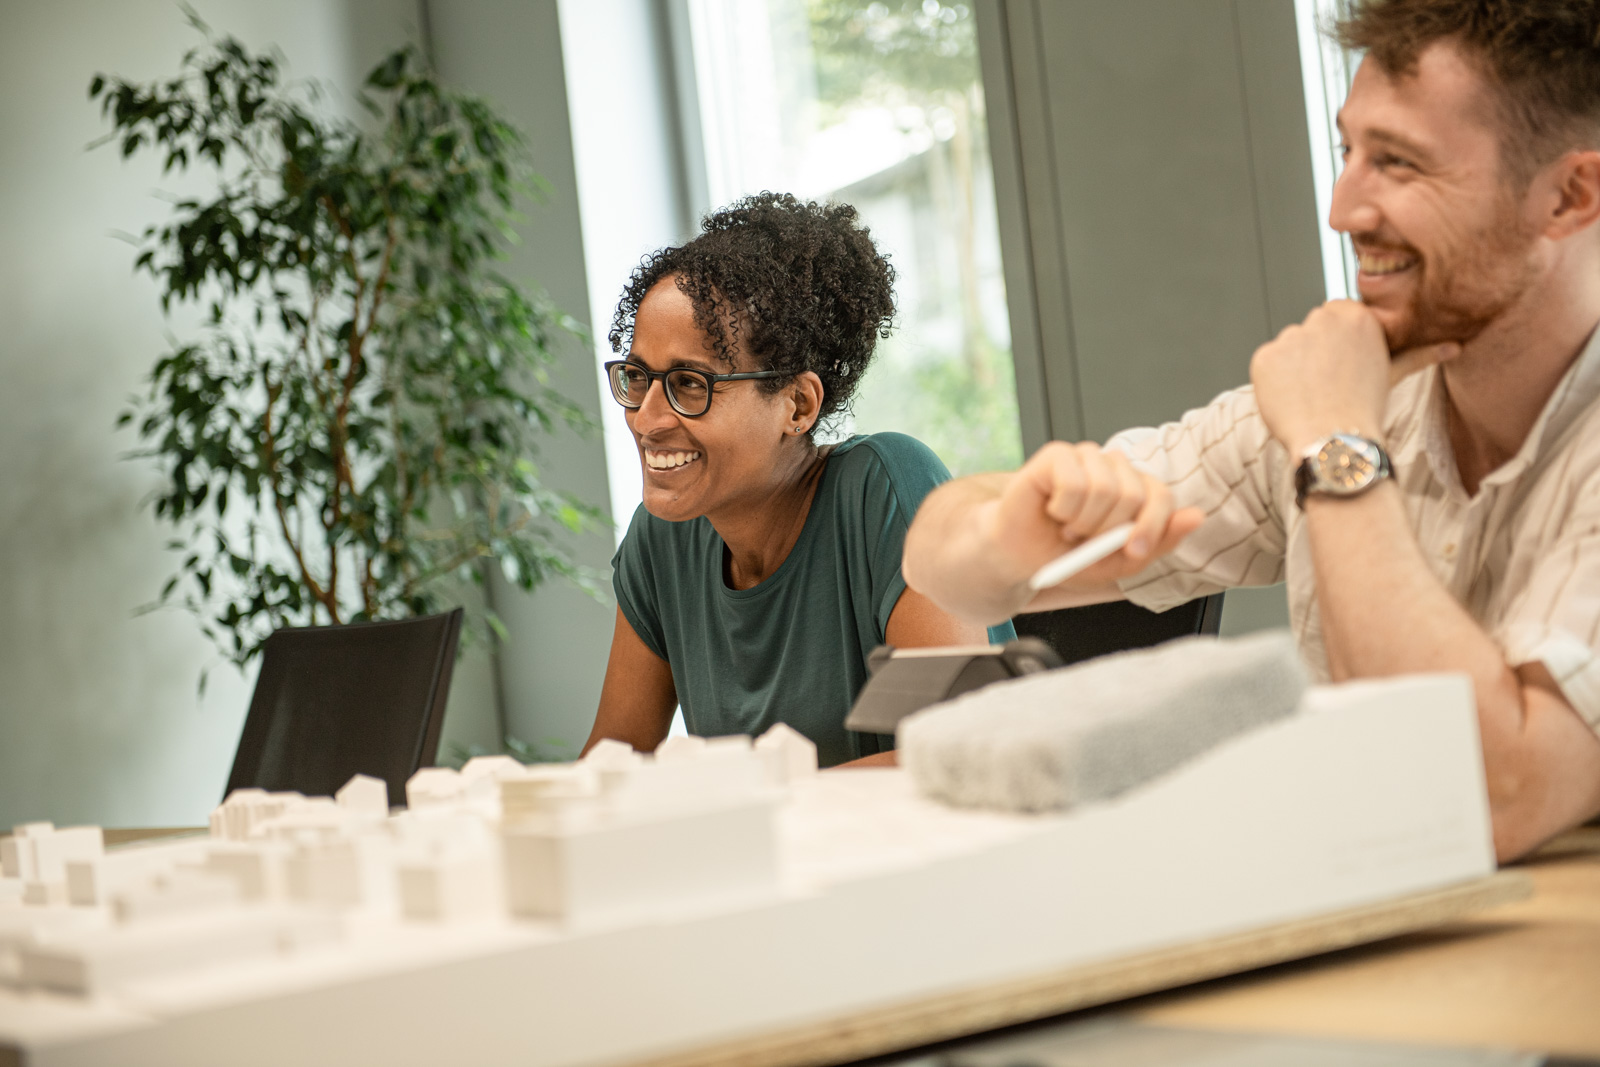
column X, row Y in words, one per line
column 1555, row 619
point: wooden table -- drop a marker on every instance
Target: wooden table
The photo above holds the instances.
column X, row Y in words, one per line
column 1523, row 975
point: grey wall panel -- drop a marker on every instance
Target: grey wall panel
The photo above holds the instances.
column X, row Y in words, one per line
column 1157, row 208
column 1016, row 244
column 1158, row 217
column 1286, row 200
column 1035, row 105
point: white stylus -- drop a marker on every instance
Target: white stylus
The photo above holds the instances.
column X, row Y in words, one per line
column 1085, row 555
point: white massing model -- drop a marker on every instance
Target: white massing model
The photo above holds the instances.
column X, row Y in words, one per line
column 613, row 838
column 628, row 905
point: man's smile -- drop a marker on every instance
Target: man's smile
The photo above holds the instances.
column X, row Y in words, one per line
column 1377, row 263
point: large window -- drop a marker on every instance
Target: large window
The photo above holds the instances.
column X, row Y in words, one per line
column 1326, row 70
column 879, row 105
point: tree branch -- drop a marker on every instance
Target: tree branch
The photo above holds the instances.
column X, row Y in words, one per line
column 270, row 458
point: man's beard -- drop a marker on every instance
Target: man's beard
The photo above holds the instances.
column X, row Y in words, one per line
column 1463, row 290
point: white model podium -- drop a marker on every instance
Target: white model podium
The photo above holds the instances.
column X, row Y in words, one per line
column 880, row 901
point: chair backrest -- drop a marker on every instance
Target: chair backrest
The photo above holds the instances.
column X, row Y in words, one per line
column 333, row 701
column 1083, row 633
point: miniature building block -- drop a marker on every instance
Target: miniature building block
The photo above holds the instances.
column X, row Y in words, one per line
column 481, row 778
column 612, row 755
column 52, row 850
column 341, row 872
column 39, row 894
column 258, row 870
column 316, row 816
column 84, row 878
column 493, row 767
column 16, row 853
column 790, row 754
column 91, row 882
column 232, row 819
column 22, row 926
column 364, row 795
column 721, row 771
column 182, row 891
column 540, row 790
column 324, row 873
column 10, row 860
column 644, row 869
column 684, row 746
column 39, row 854
column 433, row 786
column 245, row 811
column 98, row 961
column 451, row 885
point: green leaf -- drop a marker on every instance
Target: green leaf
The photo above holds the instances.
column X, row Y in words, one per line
column 386, row 75
column 412, row 463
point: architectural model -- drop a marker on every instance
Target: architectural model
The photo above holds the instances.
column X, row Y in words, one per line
column 625, row 906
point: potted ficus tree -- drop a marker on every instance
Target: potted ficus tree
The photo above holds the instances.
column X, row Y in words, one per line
column 352, row 433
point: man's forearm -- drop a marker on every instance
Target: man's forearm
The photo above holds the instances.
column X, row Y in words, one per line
column 945, row 557
column 976, row 542
column 1384, row 613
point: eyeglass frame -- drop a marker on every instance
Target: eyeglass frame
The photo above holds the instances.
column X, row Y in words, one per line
column 652, row 376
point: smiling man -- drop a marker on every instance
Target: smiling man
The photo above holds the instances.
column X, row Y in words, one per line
column 1422, row 467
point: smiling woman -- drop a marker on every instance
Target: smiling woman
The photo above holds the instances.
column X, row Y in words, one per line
column 762, row 567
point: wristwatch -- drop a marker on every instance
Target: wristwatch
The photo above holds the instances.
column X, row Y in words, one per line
column 1341, row 464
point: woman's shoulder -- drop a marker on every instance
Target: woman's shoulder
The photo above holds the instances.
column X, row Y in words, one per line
column 882, row 474
column 897, row 456
column 648, row 535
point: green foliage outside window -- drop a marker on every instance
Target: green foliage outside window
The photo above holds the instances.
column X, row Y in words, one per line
column 920, row 58
column 353, row 433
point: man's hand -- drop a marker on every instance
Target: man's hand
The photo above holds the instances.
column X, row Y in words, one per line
column 1064, row 495
column 977, row 541
column 1332, row 374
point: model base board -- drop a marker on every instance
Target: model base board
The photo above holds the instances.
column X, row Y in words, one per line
column 879, row 901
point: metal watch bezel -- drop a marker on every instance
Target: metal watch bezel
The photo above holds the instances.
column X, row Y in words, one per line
column 1325, row 467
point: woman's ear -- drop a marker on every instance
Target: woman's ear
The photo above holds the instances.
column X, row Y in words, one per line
column 805, row 395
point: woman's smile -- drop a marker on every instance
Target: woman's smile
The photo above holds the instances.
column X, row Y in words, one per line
column 659, row 460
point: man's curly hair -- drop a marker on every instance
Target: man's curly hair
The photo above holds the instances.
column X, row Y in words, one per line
column 1541, row 57
column 797, row 286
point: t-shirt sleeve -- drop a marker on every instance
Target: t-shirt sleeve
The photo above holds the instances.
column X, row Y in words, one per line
column 898, row 473
column 1555, row 619
column 631, row 581
column 1221, row 459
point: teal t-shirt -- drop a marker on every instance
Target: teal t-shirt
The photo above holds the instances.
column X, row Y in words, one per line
column 793, row 649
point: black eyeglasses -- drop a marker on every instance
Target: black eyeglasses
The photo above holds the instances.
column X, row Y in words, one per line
column 688, row 390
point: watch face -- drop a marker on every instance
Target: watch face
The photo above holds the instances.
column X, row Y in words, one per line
column 1346, row 464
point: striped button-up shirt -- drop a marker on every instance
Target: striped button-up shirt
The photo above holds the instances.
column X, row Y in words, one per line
column 1522, row 554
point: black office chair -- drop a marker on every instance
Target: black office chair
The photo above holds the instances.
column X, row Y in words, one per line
column 1083, row 633
column 333, row 701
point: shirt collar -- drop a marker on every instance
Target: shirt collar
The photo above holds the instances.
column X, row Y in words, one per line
column 1578, row 388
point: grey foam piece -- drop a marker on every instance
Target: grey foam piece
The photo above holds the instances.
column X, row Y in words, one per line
column 1054, row 741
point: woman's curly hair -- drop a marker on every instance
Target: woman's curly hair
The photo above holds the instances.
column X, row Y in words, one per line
column 798, row 286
